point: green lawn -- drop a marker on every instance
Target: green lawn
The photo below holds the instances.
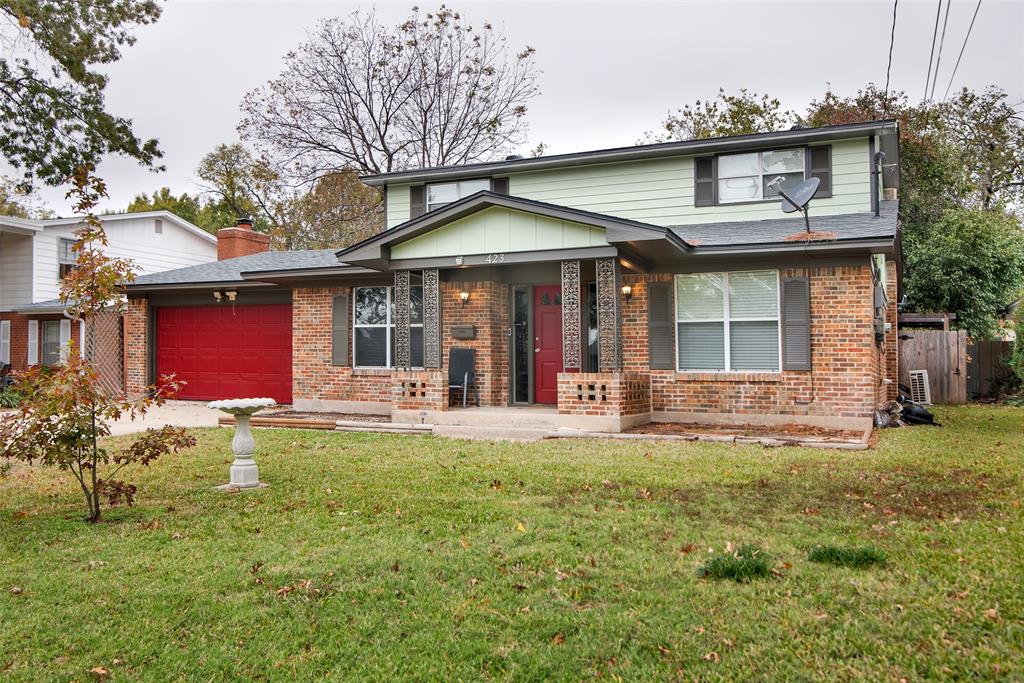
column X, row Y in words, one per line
column 381, row 557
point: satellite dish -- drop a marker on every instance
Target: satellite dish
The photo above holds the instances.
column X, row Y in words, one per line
column 800, row 196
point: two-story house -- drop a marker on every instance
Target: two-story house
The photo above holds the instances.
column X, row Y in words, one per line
column 36, row 254
column 656, row 282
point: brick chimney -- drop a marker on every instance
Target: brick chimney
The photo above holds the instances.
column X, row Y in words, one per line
column 240, row 240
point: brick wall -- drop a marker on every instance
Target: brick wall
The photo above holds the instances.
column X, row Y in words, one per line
column 487, row 309
column 419, row 390
column 136, row 340
column 892, row 349
column 19, row 339
column 314, row 377
column 845, row 373
column 614, row 394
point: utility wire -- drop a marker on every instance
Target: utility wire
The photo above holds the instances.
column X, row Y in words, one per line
column 931, row 55
column 938, row 59
column 962, row 48
column 892, row 41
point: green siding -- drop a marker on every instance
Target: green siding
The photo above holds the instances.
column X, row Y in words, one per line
column 498, row 230
column 660, row 191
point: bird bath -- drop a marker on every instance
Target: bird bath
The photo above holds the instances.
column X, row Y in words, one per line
column 244, row 472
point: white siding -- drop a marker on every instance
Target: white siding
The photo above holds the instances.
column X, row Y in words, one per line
column 15, row 270
column 134, row 238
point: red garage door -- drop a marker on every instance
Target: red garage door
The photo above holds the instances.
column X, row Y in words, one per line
column 227, row 351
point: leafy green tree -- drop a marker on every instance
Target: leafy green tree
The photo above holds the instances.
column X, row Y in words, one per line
column 19, row 202
column 236, row 183
column 52, row 85
column 742, row 114
column 338, row 211
column 184, row 206
column 972, row 262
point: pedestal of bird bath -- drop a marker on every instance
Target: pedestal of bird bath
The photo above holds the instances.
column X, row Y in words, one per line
column 244, row 472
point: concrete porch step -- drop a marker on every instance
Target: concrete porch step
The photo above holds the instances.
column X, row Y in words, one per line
column 526, row 417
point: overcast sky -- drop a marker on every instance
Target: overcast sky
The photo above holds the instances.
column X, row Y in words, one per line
column 610, row 70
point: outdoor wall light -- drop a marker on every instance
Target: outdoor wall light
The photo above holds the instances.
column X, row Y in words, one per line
column 464, row 297
column 217, row 296
column 627, row 291
column 231, row 294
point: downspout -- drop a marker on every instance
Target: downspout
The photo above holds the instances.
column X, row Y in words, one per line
column 873, row 166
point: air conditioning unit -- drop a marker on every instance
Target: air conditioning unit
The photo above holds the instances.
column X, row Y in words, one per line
column 920, row 391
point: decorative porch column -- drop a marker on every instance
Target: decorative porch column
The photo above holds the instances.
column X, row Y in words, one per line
column 431, row 319
column 403, row 347
column 571, row 338
column 609, row 315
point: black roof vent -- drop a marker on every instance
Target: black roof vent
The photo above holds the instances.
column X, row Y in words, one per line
column 798, row 126
column 513, row 157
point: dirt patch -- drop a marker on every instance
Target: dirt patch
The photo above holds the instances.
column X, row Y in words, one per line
column 785, row 430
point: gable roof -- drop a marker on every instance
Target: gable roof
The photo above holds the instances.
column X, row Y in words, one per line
column 162, row 213
column 619, row 230
column 887, row 130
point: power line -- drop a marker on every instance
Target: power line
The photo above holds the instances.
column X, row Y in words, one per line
column 942, row 41
column 892, row 41
column 931, row 55
column 962, row 48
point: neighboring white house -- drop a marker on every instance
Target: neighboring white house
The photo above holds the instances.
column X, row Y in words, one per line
column 35, row 255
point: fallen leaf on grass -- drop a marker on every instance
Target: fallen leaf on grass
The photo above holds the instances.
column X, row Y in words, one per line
column 688, row 548
column 992, row 614
column 711, row 657
column 99, row 672
column 16, row 590
column 559, row 639
column 520, row 527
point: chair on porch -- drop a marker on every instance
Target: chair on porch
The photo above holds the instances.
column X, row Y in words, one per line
column 462, row 373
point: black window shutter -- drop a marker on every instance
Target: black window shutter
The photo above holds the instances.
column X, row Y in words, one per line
column 339, row 330
column 819, row 165
column 660, row 337
column 704, row 181
column 417, row 201
column 499, row 185
column 796, row 324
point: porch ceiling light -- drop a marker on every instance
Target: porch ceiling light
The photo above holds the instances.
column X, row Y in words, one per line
column 217, row 296
column 627, row 291
column 231, row 294
column 464, row 297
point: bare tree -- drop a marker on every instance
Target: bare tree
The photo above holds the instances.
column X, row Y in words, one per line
column 359, row 95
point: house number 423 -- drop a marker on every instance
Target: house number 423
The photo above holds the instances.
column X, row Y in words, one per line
column 495, row 258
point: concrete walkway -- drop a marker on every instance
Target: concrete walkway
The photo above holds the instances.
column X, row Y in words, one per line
column 177, row 413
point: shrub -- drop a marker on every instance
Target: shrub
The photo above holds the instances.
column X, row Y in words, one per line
column 9, row 398
column 847, row 556
column 741, row 565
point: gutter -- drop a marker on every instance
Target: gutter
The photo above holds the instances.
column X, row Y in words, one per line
column 884, row 245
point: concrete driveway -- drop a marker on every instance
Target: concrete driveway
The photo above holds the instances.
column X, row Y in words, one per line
column 177, row 413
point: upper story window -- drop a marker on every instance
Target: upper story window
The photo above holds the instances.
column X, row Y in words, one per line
column 745, row 177
column 440, row 194
column 65, row 257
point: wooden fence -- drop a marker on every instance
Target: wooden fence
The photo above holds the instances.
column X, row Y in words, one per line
column 987, row 365
column 943, row 355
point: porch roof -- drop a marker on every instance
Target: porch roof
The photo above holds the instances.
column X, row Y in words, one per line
column 634, row 237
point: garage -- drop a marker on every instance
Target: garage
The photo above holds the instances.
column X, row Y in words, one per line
column 227, row 351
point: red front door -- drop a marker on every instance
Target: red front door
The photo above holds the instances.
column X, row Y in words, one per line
column 547, row 343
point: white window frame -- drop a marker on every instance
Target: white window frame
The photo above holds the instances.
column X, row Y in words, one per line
column 62, row 260
column 760, row 176
column 458, row 191
column 45, row 325
column 728, row 319
column 5, row 342
column 389, row 326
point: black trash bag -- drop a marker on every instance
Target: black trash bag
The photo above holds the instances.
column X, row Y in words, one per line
column 916, row 414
